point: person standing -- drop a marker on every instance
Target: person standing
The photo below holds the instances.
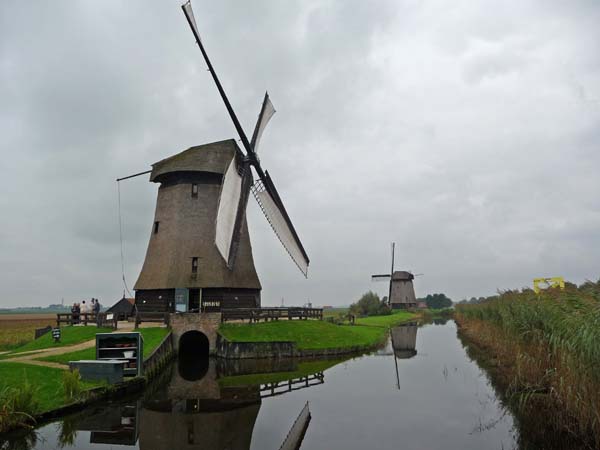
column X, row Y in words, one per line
column 96, row 309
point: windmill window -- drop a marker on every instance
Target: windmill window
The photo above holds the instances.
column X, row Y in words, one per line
column 156, row 227
column 194, row 265
column 194, row 190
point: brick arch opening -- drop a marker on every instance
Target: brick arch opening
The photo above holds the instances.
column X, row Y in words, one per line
column 194, row 344
column 193, row 355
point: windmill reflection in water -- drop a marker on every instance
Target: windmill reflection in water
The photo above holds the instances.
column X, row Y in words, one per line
column 403, row 340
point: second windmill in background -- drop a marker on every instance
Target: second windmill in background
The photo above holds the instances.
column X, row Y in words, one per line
column 401, row 290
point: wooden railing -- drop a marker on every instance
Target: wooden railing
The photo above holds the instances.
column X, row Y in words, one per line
column 266, row 314
column 295, row 384
column 160, row 317
column 101, row 319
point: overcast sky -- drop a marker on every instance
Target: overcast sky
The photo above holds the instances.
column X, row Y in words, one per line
column 467, row 132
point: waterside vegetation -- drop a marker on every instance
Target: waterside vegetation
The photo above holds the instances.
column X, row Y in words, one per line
column 317, row 335
column 544, row 352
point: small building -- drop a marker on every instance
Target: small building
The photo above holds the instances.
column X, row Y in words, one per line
column 403, row 292
column 123, row 309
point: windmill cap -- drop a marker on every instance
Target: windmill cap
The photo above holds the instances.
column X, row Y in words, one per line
column 402, row 275
column 213, row 158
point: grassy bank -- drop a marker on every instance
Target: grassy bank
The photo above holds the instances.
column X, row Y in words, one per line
column 545, row 352
column 152, row 337
column 314, row 334
column 69, row 336
column 27, row 390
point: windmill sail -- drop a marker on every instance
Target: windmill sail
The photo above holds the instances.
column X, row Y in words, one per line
column 266, row 112
column 385, row 277
column 266, row 195
column 187, row 8
column 229, row 202
column 231, row 217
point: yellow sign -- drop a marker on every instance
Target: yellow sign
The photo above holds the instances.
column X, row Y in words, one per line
column 554, row 282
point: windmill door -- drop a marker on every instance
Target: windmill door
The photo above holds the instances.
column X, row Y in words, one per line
column 194, row 304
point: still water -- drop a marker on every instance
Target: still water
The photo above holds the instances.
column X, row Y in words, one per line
column 419, row 392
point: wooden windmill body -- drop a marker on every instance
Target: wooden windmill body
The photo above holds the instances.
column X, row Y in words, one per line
column 401, row 289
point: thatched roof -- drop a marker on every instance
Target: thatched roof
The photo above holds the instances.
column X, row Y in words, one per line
column 214, row 157
column 401, row 275
column 187, row 225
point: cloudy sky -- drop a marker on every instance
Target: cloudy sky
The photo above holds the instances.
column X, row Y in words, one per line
column 467, row 132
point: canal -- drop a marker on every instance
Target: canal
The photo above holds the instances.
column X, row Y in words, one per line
column 421, row 391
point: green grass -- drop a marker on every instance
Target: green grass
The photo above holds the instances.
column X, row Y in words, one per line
column 314, row 334
column 152, row 337
column 46, row 380
column 303, row 369
column 69, row 336
column 386, row 321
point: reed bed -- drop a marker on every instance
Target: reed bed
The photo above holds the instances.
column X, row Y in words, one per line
column 547, row 348
column 16, row 330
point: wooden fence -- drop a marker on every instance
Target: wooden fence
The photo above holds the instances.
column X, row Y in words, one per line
column 295, row 384
column 266, row 314
column 160, row 317
column 102, row 319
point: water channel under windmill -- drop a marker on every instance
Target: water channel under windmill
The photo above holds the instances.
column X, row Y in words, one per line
column 420, row 391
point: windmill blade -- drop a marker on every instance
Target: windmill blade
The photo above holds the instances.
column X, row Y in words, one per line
column 232, row 209
column 187, row 8
column 385, row 277
column 189, row 15
column 269, row 201
column 266, row 112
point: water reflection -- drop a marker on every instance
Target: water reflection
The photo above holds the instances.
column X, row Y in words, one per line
column 201, row 404
column 446, row 402
column 404, row 340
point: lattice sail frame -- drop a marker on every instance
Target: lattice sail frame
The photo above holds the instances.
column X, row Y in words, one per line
column 279, row 224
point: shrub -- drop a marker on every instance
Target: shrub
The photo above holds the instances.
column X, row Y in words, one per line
column 72, row 384
column 370, row 305
column 17, row 405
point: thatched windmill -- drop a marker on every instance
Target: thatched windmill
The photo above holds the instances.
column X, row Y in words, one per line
column 401, row 291
column 199, row 256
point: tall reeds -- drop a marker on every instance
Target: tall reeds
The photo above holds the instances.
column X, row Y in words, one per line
column 17, row 405
column 549, row 348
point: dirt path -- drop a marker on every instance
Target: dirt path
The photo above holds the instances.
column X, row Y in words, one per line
column 32, row 356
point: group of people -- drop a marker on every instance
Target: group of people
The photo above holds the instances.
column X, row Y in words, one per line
column 85, row 308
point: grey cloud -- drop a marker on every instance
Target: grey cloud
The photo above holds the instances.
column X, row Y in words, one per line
column 466, row 134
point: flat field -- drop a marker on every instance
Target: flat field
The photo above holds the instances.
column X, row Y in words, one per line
column 18, row 329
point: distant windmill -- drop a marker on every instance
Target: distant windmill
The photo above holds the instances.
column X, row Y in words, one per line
column 199, row 255
column 401, row 291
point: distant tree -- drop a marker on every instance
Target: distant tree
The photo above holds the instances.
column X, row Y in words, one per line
column 439, row 301
column 370, row 305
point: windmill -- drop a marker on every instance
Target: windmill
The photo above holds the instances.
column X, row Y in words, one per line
column 401, row 291
column 199, row 256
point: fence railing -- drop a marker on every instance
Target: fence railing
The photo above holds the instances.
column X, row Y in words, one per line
column 266, row 314
column 100, row 319
column 160, row 317
column 295, row 384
